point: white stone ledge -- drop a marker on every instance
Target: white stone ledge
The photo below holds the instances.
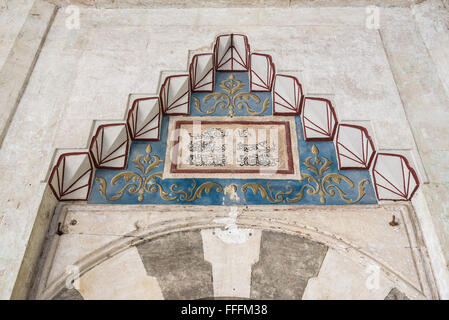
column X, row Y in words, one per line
column 113, row 4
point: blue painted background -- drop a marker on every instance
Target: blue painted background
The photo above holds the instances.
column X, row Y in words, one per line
column 326, row 149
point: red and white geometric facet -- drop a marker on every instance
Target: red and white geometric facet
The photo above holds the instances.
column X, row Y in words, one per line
column 71, row 177
column 202, row 73
column 319, row 119
column 231, row 53
column 144, row 119
column 287, row 95
column 109, row 146
column 262, row 72
column 355, row 149
column 174, row 95
column 394, row 178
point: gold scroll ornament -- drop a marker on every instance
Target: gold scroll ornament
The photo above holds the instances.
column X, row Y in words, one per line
column 231, row 98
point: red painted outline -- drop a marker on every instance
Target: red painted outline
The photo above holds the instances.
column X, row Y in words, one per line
column 332, row 111
column 412, row 171
column 100, row 129
column 366, row 163
column 55, row 168
column 192, row 74
column 296, row 83
column 269, row 85
column 133, row 127
column 232, row 59
column 164, row 101
column 286, row 124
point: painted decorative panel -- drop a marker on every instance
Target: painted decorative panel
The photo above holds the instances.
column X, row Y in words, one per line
column 236, row 135
column 149, row 177
column 241, row 147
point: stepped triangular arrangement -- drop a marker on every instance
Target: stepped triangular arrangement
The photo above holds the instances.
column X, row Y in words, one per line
column 393, row 176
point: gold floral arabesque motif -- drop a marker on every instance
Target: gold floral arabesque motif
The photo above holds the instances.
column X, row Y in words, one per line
column 146, row 182
column 317, row 183
column 195, row 193
column 231, row 99
column 267, row 193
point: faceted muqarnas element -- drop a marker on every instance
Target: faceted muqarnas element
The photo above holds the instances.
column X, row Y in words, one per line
column 262, row 72
column 71, row 177
column 109, row 146
column 354, row 146
column 174, row 95
column 394, row 178
column 202, row 73
column 287, row 95
column 144, row 119
column 318, row 119
column 231, row 53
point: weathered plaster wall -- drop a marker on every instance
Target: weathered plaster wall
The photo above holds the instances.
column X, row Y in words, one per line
column 20, row 50
column 12, row 16
column 231, row 3
column 393, row 76
column 268, row 252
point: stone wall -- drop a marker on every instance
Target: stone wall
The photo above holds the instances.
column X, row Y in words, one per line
column 394, row 77
column 258, row 252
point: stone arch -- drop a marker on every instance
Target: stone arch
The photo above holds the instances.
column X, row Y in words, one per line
column 335, row 246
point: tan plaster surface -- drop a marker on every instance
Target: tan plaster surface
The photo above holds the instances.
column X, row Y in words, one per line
column 122, row 277
column 362, row 234
column 87, row 74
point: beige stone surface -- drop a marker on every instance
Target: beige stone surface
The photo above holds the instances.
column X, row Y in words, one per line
column 417, row 51
column 12, row 16
column 231, row 261
column 231, row 239
column 360, row 282
column 18, row 65
column 86, row 74
column 123, row 277
column 229, row 3
column 432, row 20
column 72, row 247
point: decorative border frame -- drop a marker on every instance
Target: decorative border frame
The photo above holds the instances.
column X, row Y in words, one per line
column 300, row 102
column 286, row 124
